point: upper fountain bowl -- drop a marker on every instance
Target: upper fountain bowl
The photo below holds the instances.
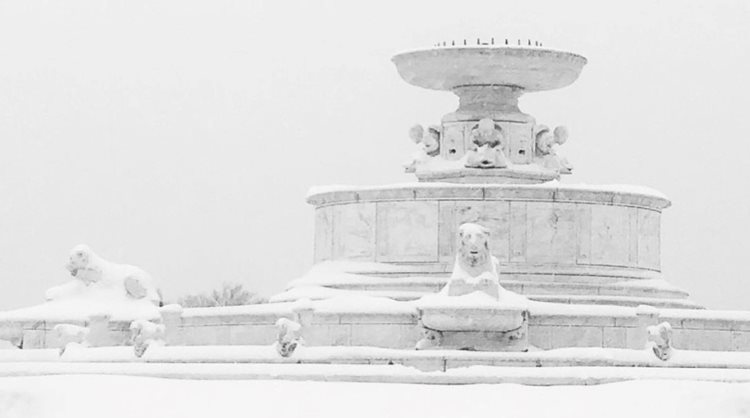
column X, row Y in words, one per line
column 530, row 69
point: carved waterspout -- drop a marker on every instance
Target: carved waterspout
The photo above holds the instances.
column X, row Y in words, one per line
column 488, row 142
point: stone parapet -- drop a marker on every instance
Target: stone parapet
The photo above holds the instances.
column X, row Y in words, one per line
column 554, row 192
column 550, row 326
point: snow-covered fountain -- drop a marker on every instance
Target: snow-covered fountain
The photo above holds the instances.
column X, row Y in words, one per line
column 488, row 259
column 491, row 164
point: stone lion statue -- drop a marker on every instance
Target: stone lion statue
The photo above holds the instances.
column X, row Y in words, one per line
column 12, row 334
column 475, row 268
column 84, row 265
column 93, row 273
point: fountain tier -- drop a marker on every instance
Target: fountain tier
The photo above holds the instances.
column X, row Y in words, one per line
column 554, row 242
column 488, row 139
column 570, row 244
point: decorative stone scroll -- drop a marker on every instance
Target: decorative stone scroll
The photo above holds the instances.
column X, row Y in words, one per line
column 546, row 155
column 428, row 145
column 660, row 340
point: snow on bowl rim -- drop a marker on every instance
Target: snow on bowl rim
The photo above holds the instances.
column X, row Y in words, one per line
column 527, row 68
column 553, row 191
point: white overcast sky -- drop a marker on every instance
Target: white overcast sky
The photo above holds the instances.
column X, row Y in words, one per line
column 182, row 135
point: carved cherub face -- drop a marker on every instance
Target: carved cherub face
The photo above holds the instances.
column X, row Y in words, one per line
column 474, row 246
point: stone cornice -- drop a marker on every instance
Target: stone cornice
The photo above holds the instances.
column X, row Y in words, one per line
column 609, row 195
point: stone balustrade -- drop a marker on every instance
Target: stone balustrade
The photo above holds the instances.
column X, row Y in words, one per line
column 550, row 326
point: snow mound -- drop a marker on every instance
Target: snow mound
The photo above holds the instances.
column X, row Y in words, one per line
column 123, row 396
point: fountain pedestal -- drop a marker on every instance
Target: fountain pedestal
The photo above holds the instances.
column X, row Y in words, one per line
column 489, row 81
column 472, row 322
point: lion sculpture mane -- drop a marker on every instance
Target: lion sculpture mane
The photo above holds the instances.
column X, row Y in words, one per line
column 475, row 268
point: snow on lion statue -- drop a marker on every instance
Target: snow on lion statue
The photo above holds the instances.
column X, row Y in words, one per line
column 475, row 268
column 93, row 274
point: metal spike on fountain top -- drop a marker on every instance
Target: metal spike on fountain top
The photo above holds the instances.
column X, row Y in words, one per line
column 488, row 80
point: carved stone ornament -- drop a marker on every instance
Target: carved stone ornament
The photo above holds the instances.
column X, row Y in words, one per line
column 475, row 269
column 288, row 336
column 487, row 146
column 660, row 340
column 145, row 334
column 546, row 154
column 428, row 145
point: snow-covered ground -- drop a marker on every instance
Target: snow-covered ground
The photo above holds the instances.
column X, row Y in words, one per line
column 122, row 396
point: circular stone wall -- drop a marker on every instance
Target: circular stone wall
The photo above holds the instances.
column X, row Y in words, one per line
column 566, row 237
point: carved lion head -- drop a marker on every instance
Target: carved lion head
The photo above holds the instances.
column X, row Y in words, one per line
column 80, row 257
column 473, row 244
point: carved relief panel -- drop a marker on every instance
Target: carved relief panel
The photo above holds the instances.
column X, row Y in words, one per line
column 354, row 231
column 407, row 231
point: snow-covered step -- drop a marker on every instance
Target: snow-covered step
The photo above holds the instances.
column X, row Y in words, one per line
column 536, row 376
column 617, row 300
column 431, row 285
column 430, row 360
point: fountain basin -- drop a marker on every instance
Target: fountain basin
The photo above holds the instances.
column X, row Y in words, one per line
column 554, row 241
column 530, row 69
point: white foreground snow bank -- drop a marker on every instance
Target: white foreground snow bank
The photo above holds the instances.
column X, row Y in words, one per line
column 121, row 396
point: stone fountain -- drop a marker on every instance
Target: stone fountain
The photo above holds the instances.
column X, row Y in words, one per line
column 488, row 251
column 488, row 139
column 491, row 164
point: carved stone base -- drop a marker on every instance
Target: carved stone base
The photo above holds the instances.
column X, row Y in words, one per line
column 467, row 323
column 513, row 340
column 527, row 175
